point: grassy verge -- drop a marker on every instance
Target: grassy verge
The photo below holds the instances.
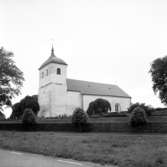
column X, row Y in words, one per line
column 124, row 150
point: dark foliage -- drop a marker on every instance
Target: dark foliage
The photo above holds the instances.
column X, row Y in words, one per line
column 116, row 114
column 29, row 117
column 99, row 106
column 158, row 72
column 80, row 119
column 27, row 102
column 11, row 78
column 2, row 116
column 138, row 117
column 16, row 111
column 148, row 109
column 30, row 102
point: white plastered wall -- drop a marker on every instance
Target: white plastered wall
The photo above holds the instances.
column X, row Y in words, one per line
column 124, row 102
column 74, row 100
column 52, row 91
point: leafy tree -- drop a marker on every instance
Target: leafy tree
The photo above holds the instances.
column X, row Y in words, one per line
column 11, row 78
column 16, row 111
column 148, row 109
column 30, row 102
column 98, row 106
column 158, row 72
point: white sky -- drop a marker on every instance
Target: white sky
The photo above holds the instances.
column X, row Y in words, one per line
column 108, row 41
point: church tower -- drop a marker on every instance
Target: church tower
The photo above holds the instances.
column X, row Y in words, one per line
column 52, row 86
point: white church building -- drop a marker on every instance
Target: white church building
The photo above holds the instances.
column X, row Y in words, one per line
column 59, row 95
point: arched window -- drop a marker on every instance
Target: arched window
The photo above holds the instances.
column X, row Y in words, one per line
column 117, row 107
column 58, row 71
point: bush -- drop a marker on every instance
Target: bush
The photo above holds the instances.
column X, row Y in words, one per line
column 80, row 119
column 99, row 106
column 29, row 117
column 138, row 117
column 148, row 109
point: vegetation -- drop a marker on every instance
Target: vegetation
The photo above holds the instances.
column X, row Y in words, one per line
column 16, row 112
column 30, row 102
column 27, row 102
column 29, row 117
column 138, row 117
column 158, row 72
column 124, row 150
column 148, row 109
column 2, row 116
column 79, row 119
column 99, row 106
column 11, row 78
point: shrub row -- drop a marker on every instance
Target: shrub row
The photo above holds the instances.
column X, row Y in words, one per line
column 79, row 119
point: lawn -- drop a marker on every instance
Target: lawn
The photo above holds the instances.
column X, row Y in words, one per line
column 125, row 150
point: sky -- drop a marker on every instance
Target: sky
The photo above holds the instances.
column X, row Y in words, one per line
column 107, row 41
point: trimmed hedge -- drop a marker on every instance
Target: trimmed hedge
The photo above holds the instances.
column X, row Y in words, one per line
column 138, row 117
column 123, row 127
column 29, row 117
column 80, row 120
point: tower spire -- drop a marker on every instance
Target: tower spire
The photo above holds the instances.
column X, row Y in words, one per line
column 52, row 51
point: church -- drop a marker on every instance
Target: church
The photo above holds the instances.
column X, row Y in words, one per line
column 59, row 95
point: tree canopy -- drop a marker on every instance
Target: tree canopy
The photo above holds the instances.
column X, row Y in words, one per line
column 158, row 72
column 98, row 106
column 30, row 102
column 11, row 78
column 148, row 109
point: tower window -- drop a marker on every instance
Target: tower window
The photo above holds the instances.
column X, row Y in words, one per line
column 58, row 71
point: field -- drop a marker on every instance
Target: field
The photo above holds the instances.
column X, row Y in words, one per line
column 124, row 150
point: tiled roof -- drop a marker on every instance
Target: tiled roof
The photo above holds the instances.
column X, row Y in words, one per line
column 53, row 59
column 93, row 88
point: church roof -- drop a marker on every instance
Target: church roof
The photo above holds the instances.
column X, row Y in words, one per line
column 93, row 88
column 53, row 59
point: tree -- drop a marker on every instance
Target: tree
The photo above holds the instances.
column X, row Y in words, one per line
column 30, row 102
column 11, row 78
column 98, row 106
column 148, row 109
column 158, row 72
column 16, row 111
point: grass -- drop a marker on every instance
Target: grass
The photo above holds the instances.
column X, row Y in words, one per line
column 124, row 150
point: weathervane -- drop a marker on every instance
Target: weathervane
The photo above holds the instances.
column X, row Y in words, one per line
column 52, row 41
